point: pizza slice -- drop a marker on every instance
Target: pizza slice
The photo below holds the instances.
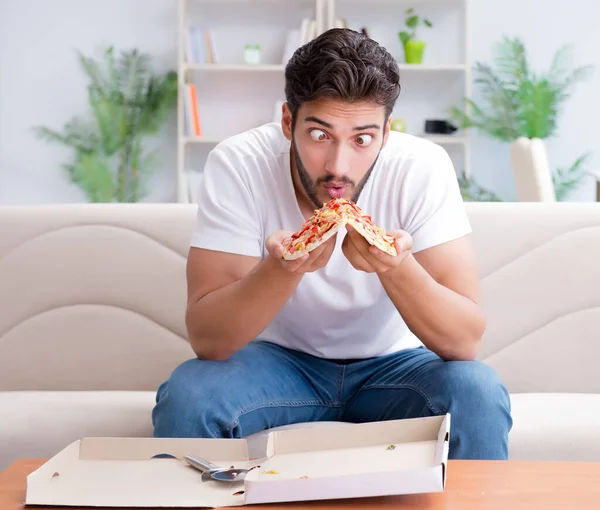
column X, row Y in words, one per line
column 322, row 225
column 363, row 224
column 328, row 220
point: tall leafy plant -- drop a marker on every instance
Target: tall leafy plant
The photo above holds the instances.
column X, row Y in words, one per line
column 128, row 103
column 518, row 102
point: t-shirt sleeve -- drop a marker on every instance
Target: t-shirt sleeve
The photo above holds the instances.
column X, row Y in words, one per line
column 436, row 212
column 227, row 218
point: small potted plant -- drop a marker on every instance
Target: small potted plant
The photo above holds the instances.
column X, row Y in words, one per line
column 413, row 47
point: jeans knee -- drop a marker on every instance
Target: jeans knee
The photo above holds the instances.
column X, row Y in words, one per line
column 187, row 403
column 477, row 387
column 479, row 405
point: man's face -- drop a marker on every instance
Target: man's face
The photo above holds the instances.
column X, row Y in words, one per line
column 335, row 145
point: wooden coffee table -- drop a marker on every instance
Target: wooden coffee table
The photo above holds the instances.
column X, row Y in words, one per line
column 471, row 485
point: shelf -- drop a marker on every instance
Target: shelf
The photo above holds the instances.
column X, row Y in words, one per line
column 281, row 68
column 204, row 139
column 234, row 67
column 446, row 139
column 253, row 91
column 431, row 67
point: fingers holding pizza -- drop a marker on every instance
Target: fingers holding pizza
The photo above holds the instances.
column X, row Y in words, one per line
column 367, row 246
column 279, row 246
column 379, row 257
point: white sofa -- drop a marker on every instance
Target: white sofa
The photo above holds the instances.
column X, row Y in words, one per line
column 92, row 301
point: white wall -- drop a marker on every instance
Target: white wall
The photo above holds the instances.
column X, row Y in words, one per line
column 544, row 26
column 41, row 83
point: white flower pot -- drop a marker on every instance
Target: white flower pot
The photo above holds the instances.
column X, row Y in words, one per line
column 532, row 175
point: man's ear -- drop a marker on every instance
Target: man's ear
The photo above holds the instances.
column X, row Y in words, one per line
column 286, row 121
column 386, row 131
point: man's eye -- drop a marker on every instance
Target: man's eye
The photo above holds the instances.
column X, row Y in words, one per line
column 364, row 140
column 318, row 135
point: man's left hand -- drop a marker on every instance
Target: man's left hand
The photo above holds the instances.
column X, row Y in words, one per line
column 365, row 257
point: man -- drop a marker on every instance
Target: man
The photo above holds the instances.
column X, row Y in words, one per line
column 346, row 333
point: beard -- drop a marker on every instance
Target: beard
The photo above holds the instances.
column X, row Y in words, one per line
column 311, row 186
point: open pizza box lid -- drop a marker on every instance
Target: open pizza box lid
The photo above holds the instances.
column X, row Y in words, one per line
column 315, row 463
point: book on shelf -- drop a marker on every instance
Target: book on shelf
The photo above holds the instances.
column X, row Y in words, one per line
column 200, row 46
column 192, row 126
column 305, row 33
column 299, row 37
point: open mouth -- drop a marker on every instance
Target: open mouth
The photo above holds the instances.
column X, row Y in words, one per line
column 336, row 191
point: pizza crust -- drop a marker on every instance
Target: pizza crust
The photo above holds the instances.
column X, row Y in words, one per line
column 363, row 224
column 305, row 248
column 376, row 237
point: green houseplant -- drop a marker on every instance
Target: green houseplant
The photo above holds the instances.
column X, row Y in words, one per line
column 414, row 48
column 518, row 103
column 471, row 191
column 128, row 103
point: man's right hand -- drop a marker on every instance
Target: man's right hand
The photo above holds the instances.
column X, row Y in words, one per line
column 220, row 282
column 316, row 259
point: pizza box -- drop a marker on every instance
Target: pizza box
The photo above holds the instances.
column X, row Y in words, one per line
column 317, row 463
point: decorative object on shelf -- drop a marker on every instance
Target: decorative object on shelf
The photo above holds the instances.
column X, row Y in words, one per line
column 398, row 125
column 128, row 103
column 522, row 104
column 414, row 48
column 252, row 54
column 439, row 127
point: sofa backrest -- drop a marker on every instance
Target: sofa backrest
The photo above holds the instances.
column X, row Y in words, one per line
column 92, row 297
column 540, row 271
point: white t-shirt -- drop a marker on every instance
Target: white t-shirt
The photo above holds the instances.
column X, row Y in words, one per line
column 338, row 312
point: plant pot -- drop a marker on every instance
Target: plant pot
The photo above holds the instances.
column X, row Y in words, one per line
column 413, row 52
column 533, row 179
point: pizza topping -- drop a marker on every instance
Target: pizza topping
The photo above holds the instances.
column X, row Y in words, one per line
column 338, row 212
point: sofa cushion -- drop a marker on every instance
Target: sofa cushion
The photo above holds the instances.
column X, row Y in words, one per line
column 41, row 423
column 555, row 426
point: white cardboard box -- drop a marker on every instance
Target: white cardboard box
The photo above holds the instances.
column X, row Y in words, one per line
column 300, row 465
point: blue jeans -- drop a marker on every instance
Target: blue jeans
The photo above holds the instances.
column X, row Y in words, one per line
column 264, row 385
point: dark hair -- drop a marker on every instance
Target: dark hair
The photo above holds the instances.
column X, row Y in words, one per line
column 343, row 64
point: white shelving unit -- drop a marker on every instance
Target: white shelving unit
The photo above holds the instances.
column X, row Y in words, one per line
column 234, row 96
